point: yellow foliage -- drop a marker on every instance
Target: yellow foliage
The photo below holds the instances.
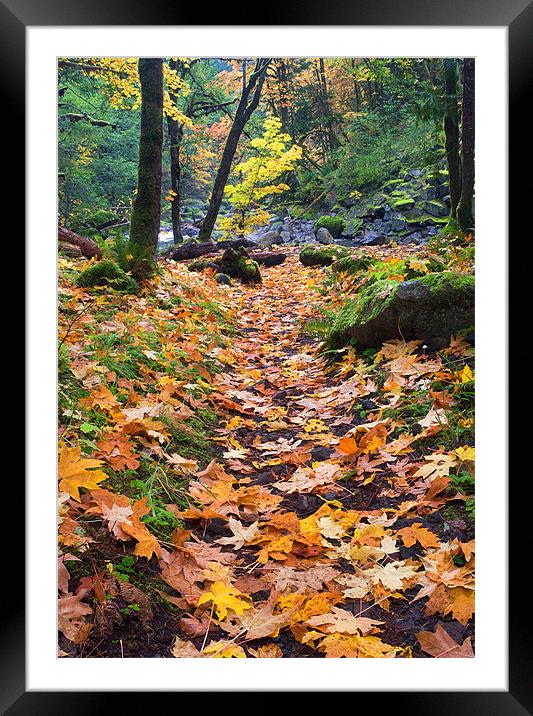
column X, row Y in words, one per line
column 259, row 174
column 122, row 86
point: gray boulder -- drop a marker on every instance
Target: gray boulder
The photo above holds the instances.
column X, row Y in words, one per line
column 269, row 239
column 323, row 236
column 398, row 224
column 436, row 208
column 372, row 238
column 223, row 278
column 432, row 309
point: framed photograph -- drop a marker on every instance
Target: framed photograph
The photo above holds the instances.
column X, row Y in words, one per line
column 265, row 353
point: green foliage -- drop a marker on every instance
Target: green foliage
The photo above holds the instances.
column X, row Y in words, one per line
column 116, row 248
column 449, row 282
column 125, row 568
column 378, row 146
column 107, row 273
column 97, row 164
column 190, row 438
column 369, row 303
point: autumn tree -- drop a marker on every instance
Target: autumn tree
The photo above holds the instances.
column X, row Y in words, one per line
column 271, row 159
column 464, row 208
column 145, row 215
column 248, row 103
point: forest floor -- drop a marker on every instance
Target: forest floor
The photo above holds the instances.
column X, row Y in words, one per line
column 329, row 518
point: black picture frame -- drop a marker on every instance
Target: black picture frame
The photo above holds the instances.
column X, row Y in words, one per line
column 517, row 16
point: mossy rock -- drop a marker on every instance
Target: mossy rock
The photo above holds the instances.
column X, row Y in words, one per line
column 352, row 264
column 432, row 309
column 322, row 255
column 353, row 225
column 223, row 279
column 202, row 264
column 403, row 203
column 107, row 273
column 392, row 182
column 334, row 224
column 237, row 263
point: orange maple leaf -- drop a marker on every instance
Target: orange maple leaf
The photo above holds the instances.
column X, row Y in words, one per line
column 75, row 472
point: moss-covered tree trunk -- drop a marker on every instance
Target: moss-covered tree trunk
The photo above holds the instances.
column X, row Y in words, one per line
column 464, row 209
column 146, row 212
column 451, row 133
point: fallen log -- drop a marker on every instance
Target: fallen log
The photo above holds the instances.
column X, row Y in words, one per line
column 194, row 249
column 88, row 247
column 69, row 250
column 268, row 258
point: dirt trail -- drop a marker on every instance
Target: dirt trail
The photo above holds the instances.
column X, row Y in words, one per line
column 286, row 473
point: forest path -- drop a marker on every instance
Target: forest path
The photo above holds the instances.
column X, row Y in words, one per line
column 280, row 472
column 309, row 483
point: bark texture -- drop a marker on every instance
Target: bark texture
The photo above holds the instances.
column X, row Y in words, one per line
column 464, row 209
column 451, row 133
column 146, row 212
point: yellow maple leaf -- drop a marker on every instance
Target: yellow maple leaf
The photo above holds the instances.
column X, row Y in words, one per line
column 225, row 597
column 466, row 453
column 75, row 472
column 221, row 650
column 465, row 375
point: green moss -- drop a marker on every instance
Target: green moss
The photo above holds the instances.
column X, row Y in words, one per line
column 250, row 270
column 237, row 264
column 370, row 303
column 334, row 224
column 404, row 202
column 107, row 273
column 322, row 255
column 449, row 283
column 352, row 264
column 427, row 218
column 393, row 182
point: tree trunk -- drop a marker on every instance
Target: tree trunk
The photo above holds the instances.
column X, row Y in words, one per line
column 252, row 88
column 146, row 212
column 451, row 133
column 175, row 134
column 464, row 209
